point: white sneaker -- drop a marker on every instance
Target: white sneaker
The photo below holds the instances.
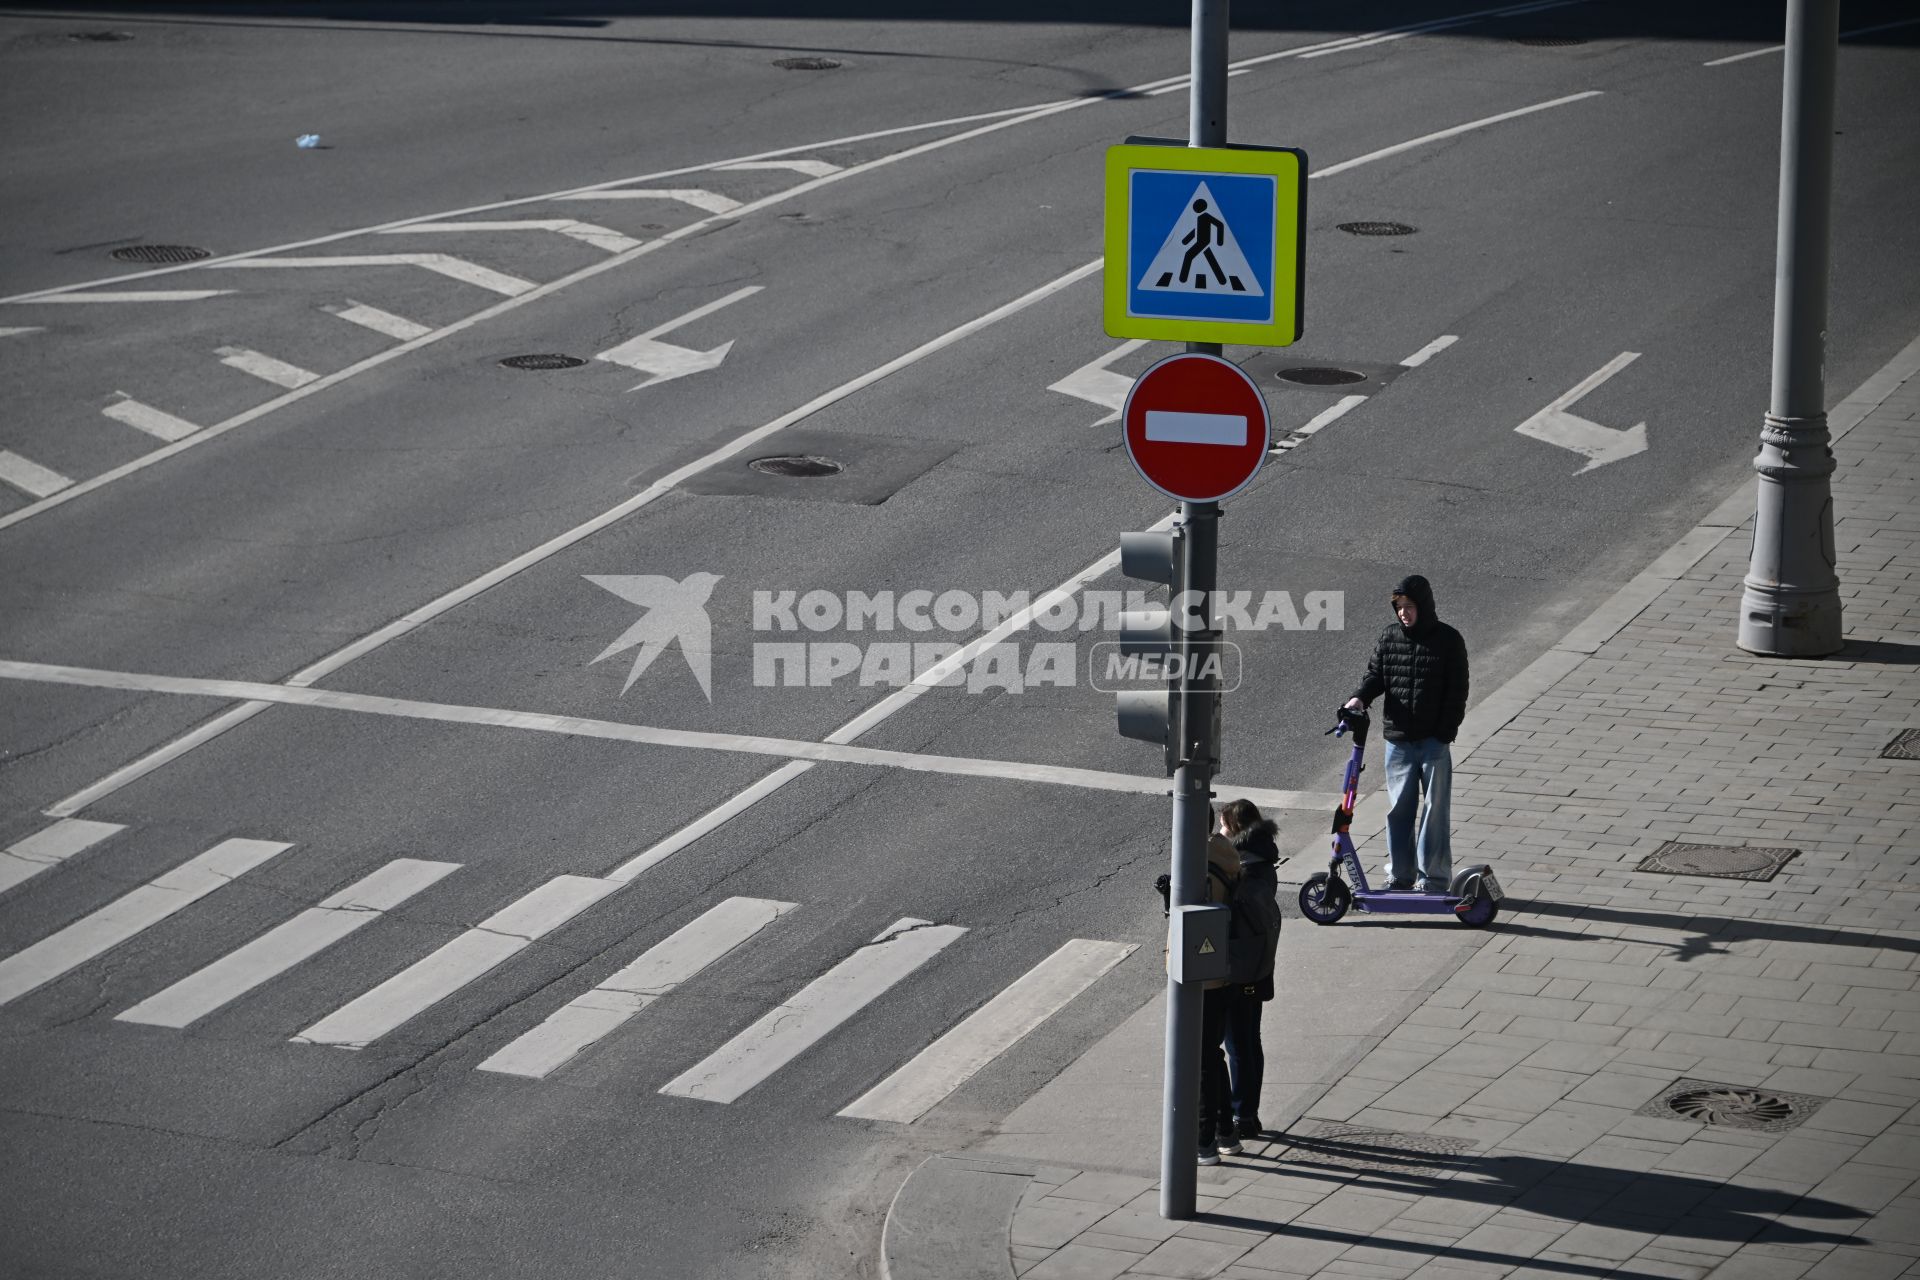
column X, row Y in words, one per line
column 1209, row 1156
column 1229, row 1145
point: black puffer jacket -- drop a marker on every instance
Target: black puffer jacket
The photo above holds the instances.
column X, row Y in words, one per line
column 1423, row 671
column 1258, row 894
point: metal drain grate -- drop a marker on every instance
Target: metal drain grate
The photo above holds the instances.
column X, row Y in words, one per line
column 796, row 466
column 1717, row 861
column 1549, row 42
column 1732, row 1106
column 1352, row 1146
column 160, row 253
column 1377, row 228
column 543, row 360
column 1905, row 746
column 1320, row 377
column 806, row 64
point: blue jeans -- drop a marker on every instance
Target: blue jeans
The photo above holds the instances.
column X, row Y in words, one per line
column 1413, row 767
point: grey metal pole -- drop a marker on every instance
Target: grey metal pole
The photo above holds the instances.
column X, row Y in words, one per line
column 1193, row 779
column 1791, row 603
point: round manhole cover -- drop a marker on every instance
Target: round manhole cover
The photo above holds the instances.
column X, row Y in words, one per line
column 806, row 64
column 100, row 37
column 1735, row 861
column 1549, row 42
column 1320, row 377
column 160, row 253
column 796, row 466
column 1737, row 1108
column 543, row 360
column 1377, row 228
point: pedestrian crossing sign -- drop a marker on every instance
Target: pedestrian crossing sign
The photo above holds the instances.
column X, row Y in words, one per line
column 1205, row 244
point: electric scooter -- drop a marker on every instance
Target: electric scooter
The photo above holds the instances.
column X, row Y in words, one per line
column 1473, row 896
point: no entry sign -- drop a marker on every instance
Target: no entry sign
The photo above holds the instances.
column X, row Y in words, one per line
column 1196, row 428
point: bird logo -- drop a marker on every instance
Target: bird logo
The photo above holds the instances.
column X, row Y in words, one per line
column 675, row 610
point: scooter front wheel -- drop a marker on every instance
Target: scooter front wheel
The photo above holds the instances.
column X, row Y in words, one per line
column 1324, row 899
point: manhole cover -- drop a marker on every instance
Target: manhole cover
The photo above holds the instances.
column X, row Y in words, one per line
column 543, row 360
column 154, row 253
column 1719, row 861
column 1905, row 746
column 1377, row 228
column 1732, row 1106
column 806, row 64
column 796, row 466
column 1549, row 42
column 100, row 37
column 1320, row 377
column 1352, row 1146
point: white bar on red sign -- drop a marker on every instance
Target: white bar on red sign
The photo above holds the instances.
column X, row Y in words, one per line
column 1229, row 429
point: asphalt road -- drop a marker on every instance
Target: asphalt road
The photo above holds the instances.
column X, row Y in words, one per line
column 318, row 485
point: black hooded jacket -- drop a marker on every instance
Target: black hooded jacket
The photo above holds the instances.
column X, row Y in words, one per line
column 1421, row 669
column 1258, row 897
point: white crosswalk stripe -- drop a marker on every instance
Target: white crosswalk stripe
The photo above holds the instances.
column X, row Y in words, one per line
column 144, row 417
column 379, row 321
column 813, row 1012
column 30, row 477
column 281, row 948
column 589, row 1018
column 266, row 368
column 988, row 1032
column 487, row 945
column 49, row 847
column 130, row 914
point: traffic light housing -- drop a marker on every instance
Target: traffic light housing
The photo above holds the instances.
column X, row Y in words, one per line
column 1154, row 716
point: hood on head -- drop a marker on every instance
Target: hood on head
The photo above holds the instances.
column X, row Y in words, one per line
column 1256, row 843
column 1417, row 589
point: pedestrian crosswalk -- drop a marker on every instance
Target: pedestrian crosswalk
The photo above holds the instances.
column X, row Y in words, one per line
column 700, row 953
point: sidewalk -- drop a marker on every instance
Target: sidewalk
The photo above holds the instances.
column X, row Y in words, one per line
column 1515, row 1121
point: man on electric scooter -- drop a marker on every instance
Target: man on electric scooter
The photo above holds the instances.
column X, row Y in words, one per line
column 1420, row 664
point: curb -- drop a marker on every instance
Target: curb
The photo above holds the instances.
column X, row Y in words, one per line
column 952, row 1218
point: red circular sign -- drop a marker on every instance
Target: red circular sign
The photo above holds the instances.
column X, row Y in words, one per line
column 1196, row 428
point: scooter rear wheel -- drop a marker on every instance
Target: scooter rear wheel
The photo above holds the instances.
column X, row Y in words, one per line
column 1480, row 914
column 1324, row 899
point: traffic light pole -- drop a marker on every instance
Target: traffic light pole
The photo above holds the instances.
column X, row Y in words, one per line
column 1198, row 752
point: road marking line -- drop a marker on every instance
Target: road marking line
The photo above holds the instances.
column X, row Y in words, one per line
column 1780, row 48
column 811, row 168
column 154, row 295
column 128, row 915
column 439, row 263
column 835, row 750
column 207, row 732
column 665, row 361
column 478, row 951
column 813, row 1012
column 661, row 850
column 30, row 477
column 587, row 1019
column 949, row 1062
column 1431, row 350
column 266, row 368
column 1598, row 444
column 585, row 232
column 711, row 201
column 144, row 417
column 49, row 847
column 18, row 331
column 1327, row 417
column 379, row 321
column 1094, row 381
column 1443, row 24
column 288, row 944
column 1454, row 132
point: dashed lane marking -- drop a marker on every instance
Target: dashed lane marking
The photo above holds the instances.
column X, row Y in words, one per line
column 377, row 320
column 144, row 417
column 585, row 232
column 440, row 263
column 266, row 368
column 30, row 477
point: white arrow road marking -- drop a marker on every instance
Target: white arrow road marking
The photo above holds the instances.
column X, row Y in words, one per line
column 379, row 321
column 445, row 264
column 1094, row 381
column 151, row 295
column 30, row 477
column 1599, row 445
column 586, row 232
column 711, row 201
column 811, row 168
column 664, row 360
column 266, row 368
column 14, row 333
column 144, row 417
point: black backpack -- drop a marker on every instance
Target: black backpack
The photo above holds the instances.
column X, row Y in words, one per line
column 1253, row 926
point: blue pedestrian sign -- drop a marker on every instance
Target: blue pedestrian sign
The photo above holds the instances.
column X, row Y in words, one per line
column 1205, row 244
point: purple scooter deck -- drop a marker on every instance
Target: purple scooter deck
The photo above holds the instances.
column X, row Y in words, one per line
column 1405, row 901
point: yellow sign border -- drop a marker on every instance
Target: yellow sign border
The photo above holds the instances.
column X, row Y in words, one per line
column 1286, row 165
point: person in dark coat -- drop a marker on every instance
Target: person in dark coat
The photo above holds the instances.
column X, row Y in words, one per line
column 1420, row 664
column 1257, row 908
